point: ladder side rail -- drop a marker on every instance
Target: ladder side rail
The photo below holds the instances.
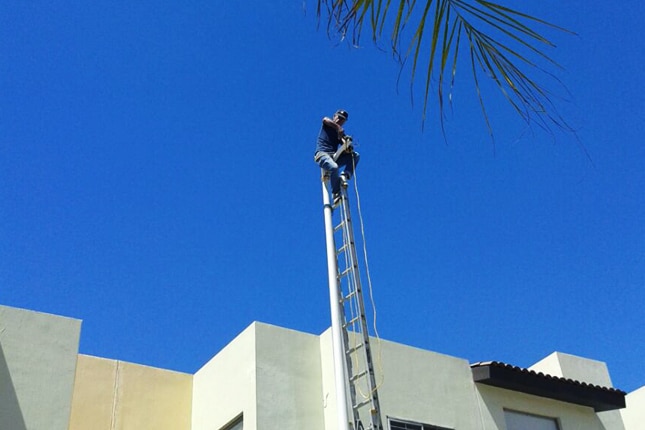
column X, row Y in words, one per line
column 345, row 275
column 351, row 316
column 372, row 395
column 349, row 275
column 348, row 368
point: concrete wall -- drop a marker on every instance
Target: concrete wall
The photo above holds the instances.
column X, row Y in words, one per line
column 413, row 385
column 289, row 387
column 37, row 365
column 225, row 387
column 115, row 395
column 426, row 387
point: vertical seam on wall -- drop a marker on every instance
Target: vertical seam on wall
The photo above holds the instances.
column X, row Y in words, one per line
column 115, row 394
column 478, row 399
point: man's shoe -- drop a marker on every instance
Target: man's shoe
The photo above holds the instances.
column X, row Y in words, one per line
column 343, row 179
column 336, row 198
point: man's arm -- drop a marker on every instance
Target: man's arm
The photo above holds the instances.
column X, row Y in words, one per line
column 330, row 122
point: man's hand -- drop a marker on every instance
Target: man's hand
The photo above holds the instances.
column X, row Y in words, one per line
column 333, row 122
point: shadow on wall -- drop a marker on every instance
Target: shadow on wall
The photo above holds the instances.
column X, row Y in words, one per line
column 10, row 413
column 492, row 406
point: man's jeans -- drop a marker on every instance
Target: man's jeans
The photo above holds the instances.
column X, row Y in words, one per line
column 347, row 160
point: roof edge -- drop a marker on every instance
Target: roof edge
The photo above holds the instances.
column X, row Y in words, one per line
column 527, row 381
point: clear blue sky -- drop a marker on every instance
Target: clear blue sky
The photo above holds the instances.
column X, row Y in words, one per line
column 157, row 182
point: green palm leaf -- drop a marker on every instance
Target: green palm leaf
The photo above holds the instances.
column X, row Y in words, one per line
column 503, row 45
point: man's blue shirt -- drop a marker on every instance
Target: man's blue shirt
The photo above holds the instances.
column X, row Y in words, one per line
column 328, row 139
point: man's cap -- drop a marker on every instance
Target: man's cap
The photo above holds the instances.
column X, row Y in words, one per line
column 343, row 114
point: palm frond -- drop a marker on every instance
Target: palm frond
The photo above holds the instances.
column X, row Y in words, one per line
column 504, row 45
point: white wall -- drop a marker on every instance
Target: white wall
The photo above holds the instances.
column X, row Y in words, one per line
column 585, row 370
column 634, row 414
column 328, row 383
column 269, row 374
column 226, row 386
column 574, row 367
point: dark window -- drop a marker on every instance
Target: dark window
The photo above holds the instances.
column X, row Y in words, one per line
column 236, row 424
column 408, row 425
column 523, row 421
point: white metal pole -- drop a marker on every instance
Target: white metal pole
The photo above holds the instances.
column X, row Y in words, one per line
column 334, row 301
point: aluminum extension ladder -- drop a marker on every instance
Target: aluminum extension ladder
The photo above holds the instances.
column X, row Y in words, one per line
column 359, row 378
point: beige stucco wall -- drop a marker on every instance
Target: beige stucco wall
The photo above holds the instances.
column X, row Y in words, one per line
column 115, row 395
column 93, row 399
column 37, row 365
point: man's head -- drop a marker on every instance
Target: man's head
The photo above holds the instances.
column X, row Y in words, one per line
column 341, row 116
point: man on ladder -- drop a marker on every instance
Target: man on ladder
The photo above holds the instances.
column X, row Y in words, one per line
column 328, row 156
column 354, row 374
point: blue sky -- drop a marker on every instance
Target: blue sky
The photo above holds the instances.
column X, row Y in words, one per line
column 158, row 183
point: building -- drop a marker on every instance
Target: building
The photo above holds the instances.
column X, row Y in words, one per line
column 46, row 385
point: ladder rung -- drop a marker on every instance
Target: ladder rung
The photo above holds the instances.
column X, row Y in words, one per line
column 350, row 295
column 358, row 376
column 341, row 249
column 363, row 403
column 339, row 226
column 356, row 348
column 351, row 322
column 345, row 272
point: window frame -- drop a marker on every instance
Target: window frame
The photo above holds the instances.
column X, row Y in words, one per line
column 555, row 420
